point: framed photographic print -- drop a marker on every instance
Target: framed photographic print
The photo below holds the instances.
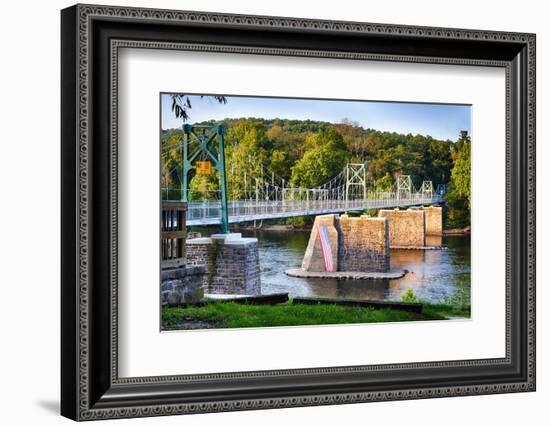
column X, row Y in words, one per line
column 263, row 212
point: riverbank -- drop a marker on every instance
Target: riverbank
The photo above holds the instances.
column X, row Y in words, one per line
column 233, row 315
column 457, row 231
column 269, row 227
column 293, row 228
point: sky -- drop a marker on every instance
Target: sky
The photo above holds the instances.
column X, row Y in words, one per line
column 441, row 121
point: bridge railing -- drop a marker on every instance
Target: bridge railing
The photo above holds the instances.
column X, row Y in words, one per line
column 244, row 210
column 198, row 210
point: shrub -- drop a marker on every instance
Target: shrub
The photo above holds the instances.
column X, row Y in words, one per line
column 409, row 296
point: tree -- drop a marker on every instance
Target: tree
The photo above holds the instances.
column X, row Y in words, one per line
column 204, row 187
column 181, row 104
column 384, row 184
column 458, row 198
column 324, row 160
column 246, row 153
column 280, row 163
column 354, row 138
column 460, row 174
column 458, row 210
column 171, row 157
column 309, row 153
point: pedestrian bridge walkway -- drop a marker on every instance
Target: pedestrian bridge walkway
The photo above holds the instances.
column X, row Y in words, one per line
column 209, row 212
column 267, row 197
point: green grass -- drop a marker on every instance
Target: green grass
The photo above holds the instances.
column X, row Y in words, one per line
column 233, row 315
column 442, row 311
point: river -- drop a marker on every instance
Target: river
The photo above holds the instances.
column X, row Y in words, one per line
column 437, row 276
column 434, row 275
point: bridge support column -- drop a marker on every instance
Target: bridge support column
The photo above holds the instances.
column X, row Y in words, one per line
column 364, row 244
column 358, row 244
column 313, row 258
column 407, row 228
column 434, row 220
column 232, row 263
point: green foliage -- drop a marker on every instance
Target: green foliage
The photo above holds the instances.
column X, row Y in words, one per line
column 246, row 152
column 458, row 198
column 460, row 174
column 204, row 187
column 457, row 209
column 384, row 184
column 282, row 143
column 325, row 159
column 280, row 162
column 300, row 222
column 171, row 157
column 309, row 153
column 460, row 298
column 409, row 296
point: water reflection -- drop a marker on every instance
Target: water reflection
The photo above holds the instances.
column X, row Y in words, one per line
column 431, row 272
column 347, row 289
column 434, row 240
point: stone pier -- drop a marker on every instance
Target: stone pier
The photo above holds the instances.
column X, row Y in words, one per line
column 357, row 244
column 434, row 220
column 232, row 263
column 407, row 228
column 363, row 244
column 313, row 258
column 184, row 284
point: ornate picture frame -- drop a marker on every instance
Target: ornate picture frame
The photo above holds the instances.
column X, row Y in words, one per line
column 90, row 39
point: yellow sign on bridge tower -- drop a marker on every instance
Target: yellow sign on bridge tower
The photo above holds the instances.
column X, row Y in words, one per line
column 203, row 167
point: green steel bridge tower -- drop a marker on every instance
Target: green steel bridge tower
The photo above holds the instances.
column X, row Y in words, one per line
column 205, row 142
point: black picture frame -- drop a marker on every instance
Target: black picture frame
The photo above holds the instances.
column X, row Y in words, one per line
column 90, row 386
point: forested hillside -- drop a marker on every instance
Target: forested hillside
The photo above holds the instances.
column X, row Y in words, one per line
column 309, row 153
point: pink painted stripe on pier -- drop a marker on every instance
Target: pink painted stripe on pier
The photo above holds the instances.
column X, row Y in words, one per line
column 325, row 247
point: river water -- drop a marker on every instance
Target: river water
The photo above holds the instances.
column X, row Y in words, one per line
column 436, row 276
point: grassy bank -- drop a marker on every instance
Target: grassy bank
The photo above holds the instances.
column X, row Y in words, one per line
column 233, row 315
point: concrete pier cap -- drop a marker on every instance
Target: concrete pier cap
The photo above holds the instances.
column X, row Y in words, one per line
column 234, row 238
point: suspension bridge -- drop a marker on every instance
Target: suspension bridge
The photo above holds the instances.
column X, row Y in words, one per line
column 263, row 195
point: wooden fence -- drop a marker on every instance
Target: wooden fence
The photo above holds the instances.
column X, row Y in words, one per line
column 173, row 234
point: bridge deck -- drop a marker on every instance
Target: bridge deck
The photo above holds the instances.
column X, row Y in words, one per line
column 209, row 213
